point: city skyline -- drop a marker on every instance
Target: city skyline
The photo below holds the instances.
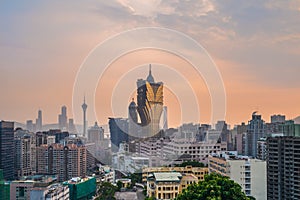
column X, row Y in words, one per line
column 123, row 106
column 259, row 67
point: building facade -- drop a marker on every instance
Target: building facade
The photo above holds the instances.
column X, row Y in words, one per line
column 118, row 128
column 250, row 174
column 255, row 131
column 167, row 185
column 7, row 151
column 65, row 161
column 81, row 188
column 23, row 153
column 283, row 168
column 149, row 104
column 95, row 134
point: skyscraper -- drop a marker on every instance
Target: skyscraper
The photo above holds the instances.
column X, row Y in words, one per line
column 149, row 104
column 165, row 118
column 255, row 131
column 84, row 107
column 7, row 149
column 118, row 128
column 133, row 126
column 39, row 121
column 63, row 119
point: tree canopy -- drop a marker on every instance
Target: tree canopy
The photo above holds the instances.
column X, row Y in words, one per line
column 214, row 187
column 106, row 191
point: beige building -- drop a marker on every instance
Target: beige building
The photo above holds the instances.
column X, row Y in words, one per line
column 198, row 172
column 250, row 174
column 65, row 161
column 167, row 185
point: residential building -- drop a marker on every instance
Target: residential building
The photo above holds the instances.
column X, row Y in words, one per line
column 262, row 149
column 66, row 161
column 23, row 153
column 187, row 150
column 255, row 131
column 250, row 174
column 283, row 167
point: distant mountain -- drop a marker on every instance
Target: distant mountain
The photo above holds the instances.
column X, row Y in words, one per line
column 297, row 120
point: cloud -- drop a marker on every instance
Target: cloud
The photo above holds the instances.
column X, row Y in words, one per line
column 152, row 8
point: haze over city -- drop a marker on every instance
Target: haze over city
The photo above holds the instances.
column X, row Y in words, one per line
column 150, row 99
column 255, row 46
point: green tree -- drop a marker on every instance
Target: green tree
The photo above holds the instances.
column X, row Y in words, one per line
column 106, row 191
column 214, row 187
column 119, row 185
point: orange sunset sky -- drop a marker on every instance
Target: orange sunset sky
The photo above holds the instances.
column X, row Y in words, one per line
column 254, row 44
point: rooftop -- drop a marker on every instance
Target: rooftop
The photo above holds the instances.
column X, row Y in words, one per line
column 77, row 180
column 167, row 177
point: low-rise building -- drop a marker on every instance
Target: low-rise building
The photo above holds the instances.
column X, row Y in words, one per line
column 198, row 172
column 164, row 151
column 52, row 192
column 21, row 189
column 167, row 185
column 250, row 174
column 81, row 188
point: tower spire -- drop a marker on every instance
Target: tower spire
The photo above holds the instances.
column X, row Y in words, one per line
column 84, row 108
column 150, row 78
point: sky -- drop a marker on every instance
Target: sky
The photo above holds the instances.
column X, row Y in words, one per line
column 254, row 44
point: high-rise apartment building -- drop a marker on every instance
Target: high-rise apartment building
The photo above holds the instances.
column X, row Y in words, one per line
column 250, row 174
column 65, row 161
column 7, row 152
column 23, row 153
column 283, row 168
column 262, row 149
column 255, row 131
